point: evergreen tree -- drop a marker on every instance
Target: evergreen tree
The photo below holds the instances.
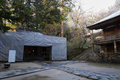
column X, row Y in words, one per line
column 23, row 10
column 34, row 15
column 66, row 7
column 46, row 12
column 6, row 16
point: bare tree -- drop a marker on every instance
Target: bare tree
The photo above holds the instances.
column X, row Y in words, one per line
column 114, row 8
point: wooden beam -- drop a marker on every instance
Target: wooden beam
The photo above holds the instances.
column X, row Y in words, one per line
column 106, row 41
column 104, row 34
column 115, row 47
column 92, row 36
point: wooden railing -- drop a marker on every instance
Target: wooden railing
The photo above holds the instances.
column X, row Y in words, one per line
column 103, row 38
column 99, row 39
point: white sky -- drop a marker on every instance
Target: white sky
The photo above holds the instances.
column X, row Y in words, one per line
column 94, row 5
column 97, row 5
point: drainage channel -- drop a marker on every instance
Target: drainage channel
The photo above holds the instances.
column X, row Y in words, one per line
column 78, row 72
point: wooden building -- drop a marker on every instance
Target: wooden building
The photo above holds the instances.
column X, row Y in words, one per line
column 109, row 40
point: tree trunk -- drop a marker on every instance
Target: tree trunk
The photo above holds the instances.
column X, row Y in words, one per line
column 62, row 28
column 62, row 21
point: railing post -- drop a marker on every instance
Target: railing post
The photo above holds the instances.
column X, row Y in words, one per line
column 115, row 47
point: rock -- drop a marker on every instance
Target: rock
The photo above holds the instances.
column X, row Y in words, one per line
column 104, row 74
column 98, row 76
column 77, row 73
column 91, row 73
column 70, row 71
column 47, row 68
column 65, row 69
column 118, row 78
column 104, row 79
column 74, row 69
column 93, row 77
column 113, row 78
column 62, row 69
column 84, row 74
column 76, row 61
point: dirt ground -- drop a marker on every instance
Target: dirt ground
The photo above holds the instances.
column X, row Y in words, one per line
column 18, row 66
column 51, row 74
column 113, row 69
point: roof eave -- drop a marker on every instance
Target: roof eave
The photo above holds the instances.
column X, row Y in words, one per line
column 103, row 24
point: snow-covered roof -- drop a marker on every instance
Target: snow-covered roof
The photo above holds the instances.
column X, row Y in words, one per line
column 102, row 23
column 109, row 17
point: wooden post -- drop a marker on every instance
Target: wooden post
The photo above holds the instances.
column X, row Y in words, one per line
column 92, row 42
column 115, row 47
column 104, row 34
column 92, row 36
column 106, row 48
column 115, row 33
column 100, row 49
